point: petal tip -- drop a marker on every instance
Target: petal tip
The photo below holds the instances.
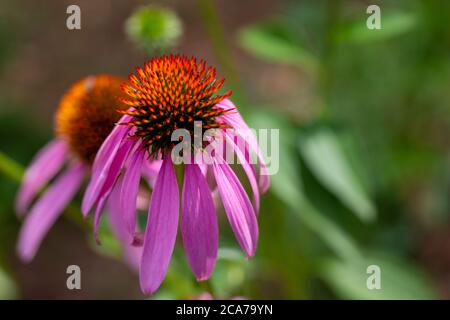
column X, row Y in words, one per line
column 203, row 277
column 250, row 253
column 149, row 289
column 25, row 256
column 23, row 249
column 85, row 208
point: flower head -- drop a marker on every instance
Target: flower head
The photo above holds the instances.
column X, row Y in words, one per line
column 167, row 94
column 86, row 114
column 170, row 93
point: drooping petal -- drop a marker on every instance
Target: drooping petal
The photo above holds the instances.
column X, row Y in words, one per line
column 110, row 145
column 115, row 218
column 198, row 223
column 235, row 120
column 161, row 231
column 238, row 207
column 102, row 164
column 110, row 180
column 44, row 166
column 129, row 190
column 97, row 215
column 248, row 168
column 47, row 209
column 101, row 183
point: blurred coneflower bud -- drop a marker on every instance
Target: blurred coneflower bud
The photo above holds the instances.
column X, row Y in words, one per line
column 154, row 28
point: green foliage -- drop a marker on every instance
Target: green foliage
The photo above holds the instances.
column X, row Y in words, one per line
column 288, row 186
column 326, row 158
column 271, row 43
column 398, row 278
column 381, row 89
column 394, row 24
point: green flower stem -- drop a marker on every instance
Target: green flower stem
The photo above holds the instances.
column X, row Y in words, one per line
column 217, row 37
column 14, row 171
column 332, row 24
column 10, row 169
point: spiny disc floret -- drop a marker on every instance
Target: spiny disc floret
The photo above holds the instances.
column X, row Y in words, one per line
column 169, row 93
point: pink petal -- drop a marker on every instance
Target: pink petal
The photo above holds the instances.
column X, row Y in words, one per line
column 97, row 215
column 132, row 253
column 47, row 209
column 161, row 231
column 129, row 190
column 102, row 164
column 249, row 170
column 235, row 120
column 209, row 177
column 44, row 166
column 203, row 168
column 199, row 223
column 109, row 146
column 116, row 167
column 238, row 207
column 150, row 170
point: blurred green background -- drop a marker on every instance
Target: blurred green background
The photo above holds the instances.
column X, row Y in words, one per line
column 364, row 117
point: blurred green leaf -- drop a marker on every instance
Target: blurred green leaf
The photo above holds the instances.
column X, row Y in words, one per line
column 287, row 185
column 392, row 24
column 325, row 157
column 231, row 254
column 400, row 279
column 265, row 42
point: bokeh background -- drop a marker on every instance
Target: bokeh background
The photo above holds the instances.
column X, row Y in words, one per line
column 365, row 157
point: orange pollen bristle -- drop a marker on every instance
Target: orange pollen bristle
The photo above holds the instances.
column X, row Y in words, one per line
column 169, row 93
column 88, row 112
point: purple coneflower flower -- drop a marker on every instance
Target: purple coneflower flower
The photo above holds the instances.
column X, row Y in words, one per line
column 172, row 93
column 85, row 117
